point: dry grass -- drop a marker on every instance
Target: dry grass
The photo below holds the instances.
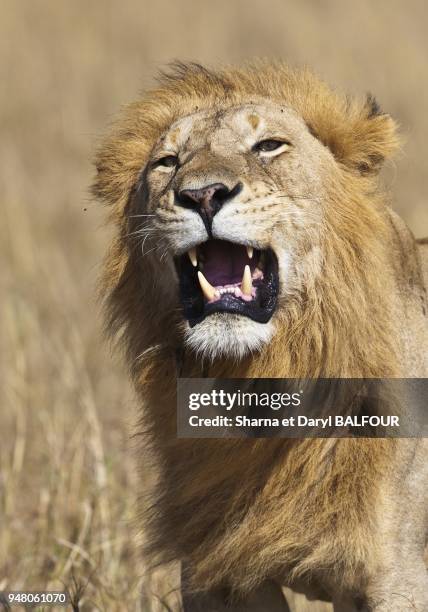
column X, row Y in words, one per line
column 67, row 478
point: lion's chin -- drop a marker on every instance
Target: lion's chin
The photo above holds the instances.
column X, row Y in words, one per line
column 225, row 335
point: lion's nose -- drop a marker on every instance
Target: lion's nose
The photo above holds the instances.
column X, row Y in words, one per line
column 208, row 200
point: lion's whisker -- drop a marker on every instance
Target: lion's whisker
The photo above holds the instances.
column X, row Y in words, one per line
column 140, row 232
column 142, row 215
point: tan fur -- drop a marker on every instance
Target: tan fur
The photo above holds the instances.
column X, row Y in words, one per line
column 253, row 121
column 239, row 512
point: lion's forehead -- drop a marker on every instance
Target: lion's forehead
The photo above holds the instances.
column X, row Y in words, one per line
column 241, row 124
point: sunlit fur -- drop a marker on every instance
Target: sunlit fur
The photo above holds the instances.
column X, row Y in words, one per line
column 229, row 336
column 240, row 511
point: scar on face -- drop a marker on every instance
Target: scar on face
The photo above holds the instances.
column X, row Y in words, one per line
column 254, row 121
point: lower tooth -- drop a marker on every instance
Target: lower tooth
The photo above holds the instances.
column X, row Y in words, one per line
column 246, row 284
column 208, row 290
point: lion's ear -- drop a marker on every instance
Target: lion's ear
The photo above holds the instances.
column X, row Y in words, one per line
column 372, row 137
column 378, row 139
column 359, row 134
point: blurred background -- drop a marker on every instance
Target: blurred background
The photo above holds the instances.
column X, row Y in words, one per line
column 67, row 477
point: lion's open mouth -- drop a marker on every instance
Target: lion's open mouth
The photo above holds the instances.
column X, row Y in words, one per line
column 221, row 276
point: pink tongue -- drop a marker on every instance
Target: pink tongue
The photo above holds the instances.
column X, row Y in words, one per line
column 224, row 262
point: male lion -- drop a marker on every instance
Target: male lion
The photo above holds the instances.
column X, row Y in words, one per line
column 253, row 240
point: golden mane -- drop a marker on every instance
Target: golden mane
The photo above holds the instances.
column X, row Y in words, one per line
column 341, row 327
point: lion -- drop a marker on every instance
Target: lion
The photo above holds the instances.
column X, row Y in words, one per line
column 253, row 238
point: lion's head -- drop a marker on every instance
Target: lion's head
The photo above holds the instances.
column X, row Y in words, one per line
column 248, row 211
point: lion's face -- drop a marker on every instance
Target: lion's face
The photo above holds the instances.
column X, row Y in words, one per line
column 248, row 212
column 234, row 201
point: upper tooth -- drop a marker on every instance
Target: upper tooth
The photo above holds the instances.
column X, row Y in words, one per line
column 192, row 256
column 250, row 252
column 246, row 284
column 207, row 289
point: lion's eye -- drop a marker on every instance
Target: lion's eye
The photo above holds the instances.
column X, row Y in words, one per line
column 169, row 161
column 270, row 145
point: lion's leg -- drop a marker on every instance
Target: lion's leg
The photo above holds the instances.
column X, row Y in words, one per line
column 268, row 596
column 401, row 590
column 393, row 590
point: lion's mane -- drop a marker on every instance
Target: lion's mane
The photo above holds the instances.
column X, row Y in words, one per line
column 242, row 510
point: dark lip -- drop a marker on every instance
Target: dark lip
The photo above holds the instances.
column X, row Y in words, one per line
column 260, row 310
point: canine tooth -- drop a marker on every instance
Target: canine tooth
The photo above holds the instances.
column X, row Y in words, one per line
column 250, row 252
column 193, row 257
column 208, row 290
column 246, row 284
